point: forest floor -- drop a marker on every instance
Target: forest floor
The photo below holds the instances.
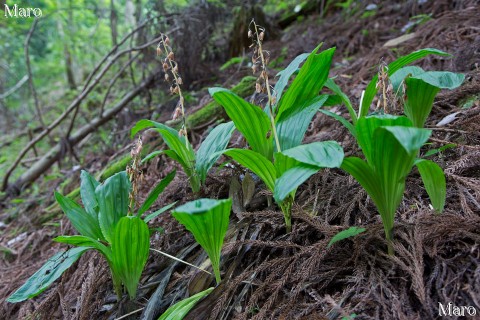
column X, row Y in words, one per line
column 272, row 275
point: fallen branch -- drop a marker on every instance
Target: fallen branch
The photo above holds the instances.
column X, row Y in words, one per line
column 53, row 155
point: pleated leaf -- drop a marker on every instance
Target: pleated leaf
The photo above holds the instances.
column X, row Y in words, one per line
column 442, row 79
column 250, row 120
column 419, row 100
column 130, row 249
column 371, row 89
column 153, row 195
column 326, row 154
column 434, row 180
column 286, row 73
column 82, row 241
column 292, row 179
column 293, row 123
column 367, row 178
column 180, row 309
column 366, row 127
column 146, row 124
column 257, row 163
column 112, row 196
column 309, row 81
column 47, row 274
column 87, row 192
column 399, row 76
column 184, row 151
column 208, row 154
column 207, row 220
column 85, row 223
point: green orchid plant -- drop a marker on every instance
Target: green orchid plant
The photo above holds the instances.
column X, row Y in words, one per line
column 107, row 224
column 275, row 134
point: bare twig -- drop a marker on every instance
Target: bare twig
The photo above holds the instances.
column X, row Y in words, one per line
column 29, row 71
column 72, row 106
column 14, row 88
column 115, row 78
column 53, row 155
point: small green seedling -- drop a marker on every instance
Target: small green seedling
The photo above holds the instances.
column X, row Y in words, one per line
column 195, row 165
column 390, row 145
column 207, row 220
column 345, row 234
column 180, row 309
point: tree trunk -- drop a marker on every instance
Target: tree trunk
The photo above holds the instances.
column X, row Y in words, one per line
column 113, row 23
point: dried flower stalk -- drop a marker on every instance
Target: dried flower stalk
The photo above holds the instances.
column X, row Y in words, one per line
column 260, row 60
column 170, row 67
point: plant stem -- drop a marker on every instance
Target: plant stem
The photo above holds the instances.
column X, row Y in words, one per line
column 286, row 207
column 179, row 92
column 270, row 98
column 389, row 237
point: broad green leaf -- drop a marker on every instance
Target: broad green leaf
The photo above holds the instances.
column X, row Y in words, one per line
column 257, row 163
column 146, row 124
column 156, row 192
column 367, row 178
column 47, row 274
column 327, row 154
column 158, row 212
column 293, row 123
column 419, row 100
column 283, row 163
column 130, row 249
column 399, row 76
column 152, row 155
column 371, row 89
column 87, row 192
column 82, row 241
column 291, row 179
column 113, row 201
column 216, row 141
column 342, row 120
column 183, row 149
column 308, row 82
column 411, row 139
column 442, row 79
column 207, row 220
column 345, row 234
column 434, row 181
column 82, row 221
column 180, row 309
column 366, row 127
column 336, row 89
column 285, row 75
column 250, row 120
column 394, row 152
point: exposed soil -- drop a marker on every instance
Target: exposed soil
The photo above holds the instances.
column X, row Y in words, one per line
column 272, row 275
